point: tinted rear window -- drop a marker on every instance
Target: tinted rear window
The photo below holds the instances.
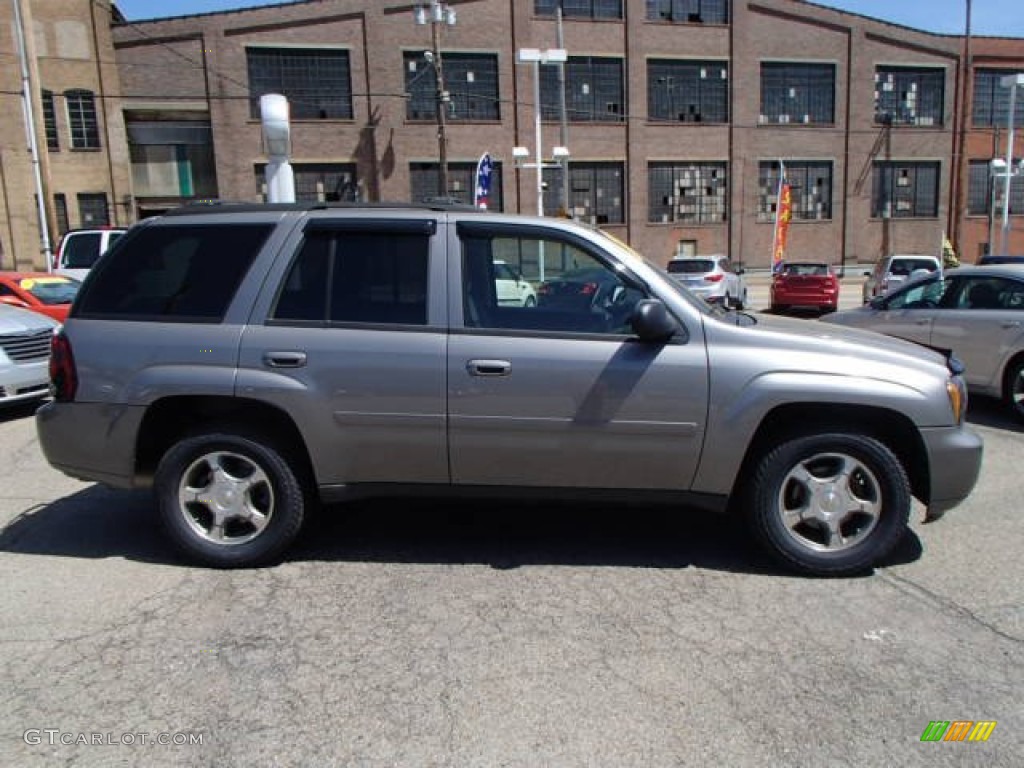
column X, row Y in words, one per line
column 820, row 270
column 175, row 272
column 691, row 266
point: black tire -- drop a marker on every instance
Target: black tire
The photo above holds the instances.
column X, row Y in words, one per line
column 1013, row 391
column 865, row 510
column 778, row 309
column 256, row 491
column 530, row 302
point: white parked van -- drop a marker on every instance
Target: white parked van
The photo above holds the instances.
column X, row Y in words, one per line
column 79, row 249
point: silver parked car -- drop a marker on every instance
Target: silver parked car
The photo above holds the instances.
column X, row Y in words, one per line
column 248, row 361
column 977, row 312
column 890, row 272
column 24, row 354
column 714, row 278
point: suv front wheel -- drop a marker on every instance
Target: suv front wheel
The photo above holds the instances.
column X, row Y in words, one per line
column 830, row 504
column 229, row 500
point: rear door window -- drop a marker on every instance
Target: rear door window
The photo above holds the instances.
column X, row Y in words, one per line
column 81, row 250
column 183, row 273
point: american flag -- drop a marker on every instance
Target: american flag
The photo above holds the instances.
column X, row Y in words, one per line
column 483, row 181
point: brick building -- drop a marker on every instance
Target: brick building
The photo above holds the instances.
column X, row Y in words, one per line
column 678, row 114
column 83, row 155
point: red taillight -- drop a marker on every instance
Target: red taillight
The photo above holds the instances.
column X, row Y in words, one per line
column 588, row 289
column 713, row 278
column 543, row 288
column 63, row 375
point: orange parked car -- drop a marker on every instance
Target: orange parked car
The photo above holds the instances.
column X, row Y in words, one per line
column 47, row 294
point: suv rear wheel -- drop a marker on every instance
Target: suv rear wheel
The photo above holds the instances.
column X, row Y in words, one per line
column 830, row 504
column 229, row 500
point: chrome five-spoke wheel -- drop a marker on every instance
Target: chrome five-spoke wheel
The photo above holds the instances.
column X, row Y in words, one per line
column 226, row 498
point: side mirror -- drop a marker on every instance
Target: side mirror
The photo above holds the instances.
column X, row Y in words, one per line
column 651, row 321
column 867, row 274
column 14, row 301
column 877, row 303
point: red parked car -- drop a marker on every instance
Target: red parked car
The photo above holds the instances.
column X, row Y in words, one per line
column 804, row 284
column 47, row 294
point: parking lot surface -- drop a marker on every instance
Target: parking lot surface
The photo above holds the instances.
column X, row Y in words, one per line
column 402, row 634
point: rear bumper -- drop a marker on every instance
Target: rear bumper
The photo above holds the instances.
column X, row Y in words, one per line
column 954, row 455
column 91, row 441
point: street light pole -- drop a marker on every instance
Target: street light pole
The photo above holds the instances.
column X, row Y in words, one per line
column 1011, row 82
column 538, row 57
column 437, row 14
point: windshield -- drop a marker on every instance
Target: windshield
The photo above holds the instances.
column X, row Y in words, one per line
column 51, row 290
column 906, row 266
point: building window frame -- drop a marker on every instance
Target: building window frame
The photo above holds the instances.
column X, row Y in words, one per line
column 83, row 122
column 901, row 189
column 471, row 80
column 985, row 192
column 688, row 90
column 595, row 90
column 811, row 184
column 50, row 120
column 597, row 192
column 800, row 92
column 990, row 101
column 691, row 192
column 93, row 209
column 580, row 9
column 316, row 81
column 689, row 11
column 423, row 181
column 910, row 96
column 318, row 182
column 60, row 211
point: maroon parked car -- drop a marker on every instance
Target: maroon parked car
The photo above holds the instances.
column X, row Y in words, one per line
column 806, row 285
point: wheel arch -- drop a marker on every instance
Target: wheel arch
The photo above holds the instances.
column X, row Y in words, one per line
column 891, row 428
column 171, row 418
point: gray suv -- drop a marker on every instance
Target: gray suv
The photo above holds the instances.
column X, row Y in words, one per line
column 248, row 362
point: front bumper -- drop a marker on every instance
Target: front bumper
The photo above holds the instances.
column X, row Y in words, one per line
column 954, row 456
column 26, row 381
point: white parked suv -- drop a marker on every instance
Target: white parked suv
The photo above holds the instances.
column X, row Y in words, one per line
column 714, row 278
column 892, row 271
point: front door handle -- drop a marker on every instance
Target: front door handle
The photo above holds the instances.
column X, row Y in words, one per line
column 489, row 367
column 284, row 359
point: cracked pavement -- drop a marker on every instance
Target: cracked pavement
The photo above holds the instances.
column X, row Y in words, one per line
column 400, row 634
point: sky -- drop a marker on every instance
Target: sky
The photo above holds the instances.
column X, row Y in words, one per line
column 988, row 17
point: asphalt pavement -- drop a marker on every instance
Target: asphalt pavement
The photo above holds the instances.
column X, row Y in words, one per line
column 406, row 634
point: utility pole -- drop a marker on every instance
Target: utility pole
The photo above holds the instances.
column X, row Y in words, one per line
column 438, row 14
column 27, row 99
column 563, row 130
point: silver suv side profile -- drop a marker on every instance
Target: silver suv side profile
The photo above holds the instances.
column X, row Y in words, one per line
column 250, row 362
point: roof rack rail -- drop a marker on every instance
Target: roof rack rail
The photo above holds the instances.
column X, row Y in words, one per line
column 223, row 206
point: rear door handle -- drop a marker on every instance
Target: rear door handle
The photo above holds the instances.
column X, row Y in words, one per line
column 1011, row 324
column 489, row 367
column 284, row 359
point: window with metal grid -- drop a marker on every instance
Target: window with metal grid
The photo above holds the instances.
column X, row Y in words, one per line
column 991, row 103
column 50, row 122
column 594, row 90
column 93, row 210
column 424, row 179
column 317, row 82
column 810, row 189
column 687, row 192
column 985, row 191
column 905, row 190
column 60, row 209
column 797, row 93
column 82, row 122
column 471, row 80
column 596, row 192
column 318, row 182
column 909, row 95
column 688, row 91
column 587, row 9
column 689, row 11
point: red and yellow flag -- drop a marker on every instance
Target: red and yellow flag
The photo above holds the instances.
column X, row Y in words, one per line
column 783, row 213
